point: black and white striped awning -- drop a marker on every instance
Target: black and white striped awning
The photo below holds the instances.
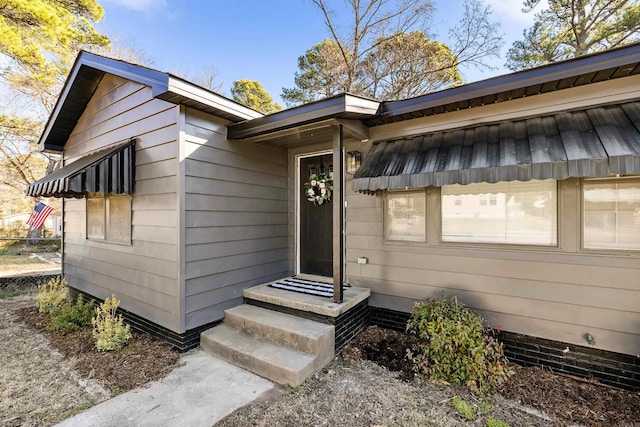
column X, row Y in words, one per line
column 595, row 142
column 107, row 171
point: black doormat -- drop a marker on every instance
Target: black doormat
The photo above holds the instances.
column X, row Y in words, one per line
column 305, row 287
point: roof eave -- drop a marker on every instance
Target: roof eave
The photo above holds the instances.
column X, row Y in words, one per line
column 182, row 90
column 339, row 106
column 628, row 55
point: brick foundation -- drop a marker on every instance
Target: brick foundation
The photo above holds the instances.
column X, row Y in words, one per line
column 616, row 369
column 350, row 324
column 181, row 342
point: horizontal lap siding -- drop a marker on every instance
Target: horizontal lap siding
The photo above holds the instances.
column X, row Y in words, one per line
column 558, row 294
column 235, row 217
column 143, row 275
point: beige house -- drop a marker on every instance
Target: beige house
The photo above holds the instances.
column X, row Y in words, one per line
column 520, row 194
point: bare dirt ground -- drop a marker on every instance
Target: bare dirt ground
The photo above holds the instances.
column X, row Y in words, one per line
column 38, row 386
column 46, row 377
column 355, row 391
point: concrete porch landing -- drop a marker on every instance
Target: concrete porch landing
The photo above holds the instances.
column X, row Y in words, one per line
column 285, row 336
column 308, row 303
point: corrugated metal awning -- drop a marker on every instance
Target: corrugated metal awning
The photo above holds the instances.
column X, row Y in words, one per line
column 107, row 171
column 595, row 142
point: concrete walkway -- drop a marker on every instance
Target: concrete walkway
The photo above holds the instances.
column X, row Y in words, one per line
column 200, row 393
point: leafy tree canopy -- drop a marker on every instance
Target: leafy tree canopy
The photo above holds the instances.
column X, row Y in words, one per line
column 323, row 73
column 407, row 65
column 387, row 54
column 570, row 28
column 253, row 95
column 38, row 41
column 41, row 37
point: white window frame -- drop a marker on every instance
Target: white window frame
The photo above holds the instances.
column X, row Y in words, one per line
column 583, row 212
column 387, row 220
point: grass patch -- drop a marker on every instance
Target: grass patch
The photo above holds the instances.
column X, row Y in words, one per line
column 19, row 247
column 75, row 410
column 10, row 293
column 464, row 408
column 116, row 391
column 494, row 422
column 298, row 389
column 19, row 260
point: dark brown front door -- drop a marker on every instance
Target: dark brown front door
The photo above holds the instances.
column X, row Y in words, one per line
column 316, row 222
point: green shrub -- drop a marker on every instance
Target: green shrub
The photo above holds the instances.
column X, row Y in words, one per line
column 70, row 316
column 52, row 295
column 456, row 347
column 109, row 329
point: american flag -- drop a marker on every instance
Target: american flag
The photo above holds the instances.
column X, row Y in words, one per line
column 39, row 214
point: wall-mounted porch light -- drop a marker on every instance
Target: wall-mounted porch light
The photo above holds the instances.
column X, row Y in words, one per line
column 354, row 158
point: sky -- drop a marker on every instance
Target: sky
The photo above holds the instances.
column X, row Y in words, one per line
column 258, row 39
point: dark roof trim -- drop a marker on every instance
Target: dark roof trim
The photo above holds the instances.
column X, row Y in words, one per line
column 89, row 69
column 595, row 142
column 343, row 106
column 601, row 66
column 626, row 57
column 107, row 171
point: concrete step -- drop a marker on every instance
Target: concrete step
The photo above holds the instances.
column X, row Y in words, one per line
column 272, row 361
column 295, row 332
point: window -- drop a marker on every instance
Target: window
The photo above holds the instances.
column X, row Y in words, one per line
column 119, row 219
column 520, row 213
column 405, row 219
column 95, row 217
column 611, row 212
column 109, row 218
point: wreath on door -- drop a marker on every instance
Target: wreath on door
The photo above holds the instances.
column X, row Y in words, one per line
column 318, row 189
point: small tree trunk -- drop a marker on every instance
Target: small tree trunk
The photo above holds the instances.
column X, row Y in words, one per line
column 34, row 233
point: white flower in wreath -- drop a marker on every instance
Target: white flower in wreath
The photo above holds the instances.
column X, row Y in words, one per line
column 318, row 189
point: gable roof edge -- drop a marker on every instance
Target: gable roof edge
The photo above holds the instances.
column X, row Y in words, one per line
column 91, row 68
column 86, row 74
